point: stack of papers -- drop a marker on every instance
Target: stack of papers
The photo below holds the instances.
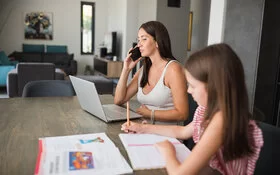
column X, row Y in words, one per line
column 144, row 155
column 80, row 154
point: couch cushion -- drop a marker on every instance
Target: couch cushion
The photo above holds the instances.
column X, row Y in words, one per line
column 58, row 58
column 31, row 57
column 33, row 48
column 56, row 49
column 15, row 55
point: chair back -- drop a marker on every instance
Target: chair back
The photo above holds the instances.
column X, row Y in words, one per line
column 269, row 158
column 34, row 71
column 48, row 88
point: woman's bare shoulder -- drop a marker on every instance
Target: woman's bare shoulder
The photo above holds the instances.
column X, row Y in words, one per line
column 175, row 68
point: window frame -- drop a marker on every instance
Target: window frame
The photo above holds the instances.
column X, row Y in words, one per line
column 92, row 27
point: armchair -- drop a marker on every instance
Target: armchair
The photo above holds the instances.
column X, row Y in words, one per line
column 26, row 72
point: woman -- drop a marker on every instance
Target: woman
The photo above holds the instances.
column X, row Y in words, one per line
column 163, row 97
column 227, row 141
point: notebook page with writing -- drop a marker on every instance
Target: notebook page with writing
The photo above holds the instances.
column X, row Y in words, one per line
column 144, row 155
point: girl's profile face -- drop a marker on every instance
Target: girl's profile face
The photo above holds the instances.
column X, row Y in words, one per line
column 146, row 43
column 197, row 89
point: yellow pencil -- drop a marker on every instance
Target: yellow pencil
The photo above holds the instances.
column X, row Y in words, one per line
column 127, row 113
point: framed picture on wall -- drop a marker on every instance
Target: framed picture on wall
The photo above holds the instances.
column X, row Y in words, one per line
column 38, row 25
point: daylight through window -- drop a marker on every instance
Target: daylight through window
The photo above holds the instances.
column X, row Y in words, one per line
column 87, row 27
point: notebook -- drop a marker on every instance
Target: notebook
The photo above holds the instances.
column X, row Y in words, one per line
column 90, row 102
column 144, row 155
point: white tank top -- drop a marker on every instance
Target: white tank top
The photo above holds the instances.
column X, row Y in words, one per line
column 160, row 97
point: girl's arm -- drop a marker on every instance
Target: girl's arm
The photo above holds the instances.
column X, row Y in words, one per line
column 123, row 91
column 201, row 154
column 174, row 79
column 179, row 132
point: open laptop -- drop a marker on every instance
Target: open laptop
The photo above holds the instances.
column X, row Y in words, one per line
column 90, row 102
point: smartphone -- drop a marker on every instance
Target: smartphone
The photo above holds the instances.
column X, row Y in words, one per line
column 135, row 53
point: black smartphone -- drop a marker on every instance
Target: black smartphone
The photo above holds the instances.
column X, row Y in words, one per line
column 135, row 53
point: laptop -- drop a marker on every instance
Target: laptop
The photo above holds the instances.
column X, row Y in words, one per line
column 90, row 102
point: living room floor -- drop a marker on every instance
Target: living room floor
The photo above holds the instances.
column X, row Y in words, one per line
column 3, row 92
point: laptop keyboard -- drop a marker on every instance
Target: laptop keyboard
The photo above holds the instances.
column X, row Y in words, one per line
column 114, row 112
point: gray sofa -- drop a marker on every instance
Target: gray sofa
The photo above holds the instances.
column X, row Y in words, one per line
column 62, row 61
column 26, row 72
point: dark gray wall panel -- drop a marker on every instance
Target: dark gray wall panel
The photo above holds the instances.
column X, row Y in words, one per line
column 243, row 23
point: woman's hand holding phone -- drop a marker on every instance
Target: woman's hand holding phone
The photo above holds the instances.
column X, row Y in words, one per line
column 129, row 62
column 135, row 53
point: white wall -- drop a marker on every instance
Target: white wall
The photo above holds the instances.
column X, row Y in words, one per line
column 176, row 22
column 216, row 25
column 66, row 25
column 200, row 27
column 131, row 25
column 147, row 11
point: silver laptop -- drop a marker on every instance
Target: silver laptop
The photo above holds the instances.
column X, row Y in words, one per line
column 90, row 102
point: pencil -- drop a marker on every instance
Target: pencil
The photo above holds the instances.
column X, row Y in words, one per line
column 127, row 113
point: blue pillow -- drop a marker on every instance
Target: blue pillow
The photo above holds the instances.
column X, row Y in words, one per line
column 3, row 74
column 4, row 60
column 33, row 47
column 56, row 49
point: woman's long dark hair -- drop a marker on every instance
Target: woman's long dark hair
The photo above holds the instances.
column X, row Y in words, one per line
column 160, row 34
column 219, row 67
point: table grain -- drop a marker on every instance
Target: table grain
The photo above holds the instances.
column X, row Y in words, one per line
column 24, row 120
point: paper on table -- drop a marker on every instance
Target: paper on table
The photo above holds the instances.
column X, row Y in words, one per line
column 144, row 139
column 144, row 155
column 93, row 156
column 75, row 142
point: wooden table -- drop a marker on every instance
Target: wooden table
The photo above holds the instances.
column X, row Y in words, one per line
column 24, row 120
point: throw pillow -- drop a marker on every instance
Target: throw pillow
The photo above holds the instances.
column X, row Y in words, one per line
column 33, row 47
column 56, row 49
column 4, row 60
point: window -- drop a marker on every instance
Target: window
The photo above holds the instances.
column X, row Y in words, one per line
column 87, row 27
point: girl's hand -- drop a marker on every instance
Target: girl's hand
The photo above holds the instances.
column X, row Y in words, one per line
column 144, row 111
column 166, row 149
column 132, row 128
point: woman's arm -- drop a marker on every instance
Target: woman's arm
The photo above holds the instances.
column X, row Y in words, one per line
column 175, row 79
column 201, row 154
column 179, row 132
column 123, row 91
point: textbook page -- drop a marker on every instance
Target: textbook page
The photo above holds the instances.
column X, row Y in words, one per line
column 76, row 142
column 144, row 155
column 80, row 154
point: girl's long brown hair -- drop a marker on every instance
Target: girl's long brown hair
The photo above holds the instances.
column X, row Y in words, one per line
column 160, row 34
column 219, row 67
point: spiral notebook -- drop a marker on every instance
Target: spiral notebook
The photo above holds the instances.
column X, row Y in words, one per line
column 144, row 155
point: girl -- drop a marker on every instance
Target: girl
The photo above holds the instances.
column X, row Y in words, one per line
column 163, row 97
column 227, row 141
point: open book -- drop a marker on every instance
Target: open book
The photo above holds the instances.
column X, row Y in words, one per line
column 80, row 154
column 144, row 155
